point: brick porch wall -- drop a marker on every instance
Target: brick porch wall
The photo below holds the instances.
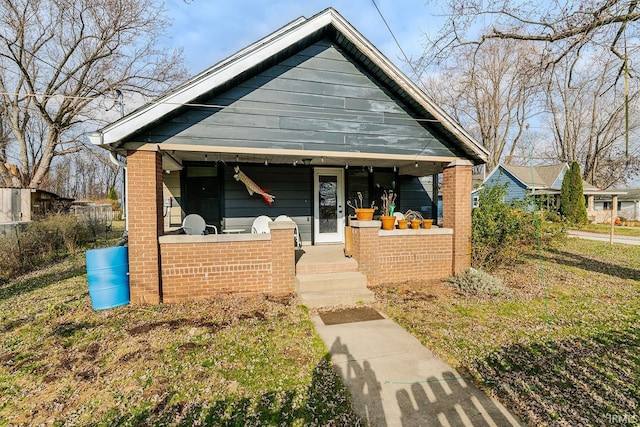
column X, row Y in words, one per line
column 400, row 255
column 197, row 267
column 144, row 179
column 456, row 206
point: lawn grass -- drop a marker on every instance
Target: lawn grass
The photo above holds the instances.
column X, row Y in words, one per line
column 560, row 349
column 227, row 361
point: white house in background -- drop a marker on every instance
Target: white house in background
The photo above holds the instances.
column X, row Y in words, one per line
column 628, row 204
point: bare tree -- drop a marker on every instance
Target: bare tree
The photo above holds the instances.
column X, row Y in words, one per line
column 85, row 175
column 58, row 56
column 493, row 91
column 587, row 106
column 562, row 27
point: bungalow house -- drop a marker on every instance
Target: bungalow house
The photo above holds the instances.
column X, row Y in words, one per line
column 311, row 115
column 543, row 182
column 628, row 205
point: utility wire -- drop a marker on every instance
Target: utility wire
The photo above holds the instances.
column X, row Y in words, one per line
column 406, row 58
column 252, row 109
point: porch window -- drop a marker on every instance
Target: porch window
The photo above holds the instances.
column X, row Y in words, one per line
column 607, row 206
column 202, row 193
column 358, row 182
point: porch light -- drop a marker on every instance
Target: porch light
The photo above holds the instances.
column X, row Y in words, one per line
column 394, row 168
column 416, row 164
column 370, row 169
column 205, row 157
column 306, row 162
column 346, row 165
column 266, row 162
column 295, row 163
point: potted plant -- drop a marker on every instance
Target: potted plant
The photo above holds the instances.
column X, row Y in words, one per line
column 388, row 205
column 403, row 223
column 362, row 213
column 414, row 217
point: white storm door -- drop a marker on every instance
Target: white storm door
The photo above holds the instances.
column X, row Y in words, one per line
column 328, row 215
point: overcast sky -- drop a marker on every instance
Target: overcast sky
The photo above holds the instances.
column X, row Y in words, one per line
column 211, row 30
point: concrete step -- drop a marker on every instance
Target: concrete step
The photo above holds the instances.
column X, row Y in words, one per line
column 329, row 289
column 317, row 266
column 334, row 298
column 324, row 259
column 324, row 282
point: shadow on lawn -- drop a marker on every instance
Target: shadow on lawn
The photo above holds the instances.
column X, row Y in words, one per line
column 324, row 404
column 574, row 381
column 23, row 285
column 590, row 264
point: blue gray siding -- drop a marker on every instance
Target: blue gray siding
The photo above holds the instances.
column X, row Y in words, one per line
column 319, row 100
column 291, row 187
column 515, row 189
column 558, row 182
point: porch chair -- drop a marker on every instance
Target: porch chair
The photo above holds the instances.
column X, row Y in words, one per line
column 296, row 233
column 398, row 215
column 261, row 225
column 195, row 224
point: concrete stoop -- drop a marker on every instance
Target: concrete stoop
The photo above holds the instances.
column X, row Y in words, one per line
column 326, row 278
column 329, row 289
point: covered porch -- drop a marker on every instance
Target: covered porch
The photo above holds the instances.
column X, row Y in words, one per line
column 167, row 267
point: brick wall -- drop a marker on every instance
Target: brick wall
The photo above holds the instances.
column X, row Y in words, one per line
column 456, row 206
column 144, row 210
column 400, row 255
column 197, row 267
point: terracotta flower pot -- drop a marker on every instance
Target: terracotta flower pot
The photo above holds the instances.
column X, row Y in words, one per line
column 426, row 223
column 415, row 224
column 388, row 222
column 364, row 214
column 402, row 224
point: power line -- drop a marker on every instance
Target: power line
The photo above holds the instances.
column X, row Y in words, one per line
column 406, row 58
column 320, row 114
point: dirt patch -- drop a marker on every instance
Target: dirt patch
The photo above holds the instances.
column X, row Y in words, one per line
column 175, row 324
column 416, row 291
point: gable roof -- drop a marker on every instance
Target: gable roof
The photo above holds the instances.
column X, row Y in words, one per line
column 536, row 176
column 543, row 177
column 269, row 51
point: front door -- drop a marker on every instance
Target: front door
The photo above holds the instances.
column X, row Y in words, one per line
column 328, row 205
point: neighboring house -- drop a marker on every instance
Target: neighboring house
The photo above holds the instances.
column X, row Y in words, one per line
column 545, row 183
column 313, row 114
column 628, row 205
column 26, row 204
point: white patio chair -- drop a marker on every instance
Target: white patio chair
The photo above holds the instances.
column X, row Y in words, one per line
column 195, row 224
column 261, row 225
column 296, row 233
column 398, row 215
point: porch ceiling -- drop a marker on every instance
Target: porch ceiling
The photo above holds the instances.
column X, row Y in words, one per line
column 406, row 165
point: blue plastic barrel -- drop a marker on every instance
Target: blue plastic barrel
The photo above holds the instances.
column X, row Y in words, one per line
column 108, row 277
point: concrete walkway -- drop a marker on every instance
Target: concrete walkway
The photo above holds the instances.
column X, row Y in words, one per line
column 395, row 381
column 627, row 240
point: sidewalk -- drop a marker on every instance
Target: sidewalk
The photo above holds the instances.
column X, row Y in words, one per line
column 395, row 381
column 627, row 240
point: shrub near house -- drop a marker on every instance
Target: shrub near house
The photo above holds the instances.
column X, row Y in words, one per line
column 499, row 229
